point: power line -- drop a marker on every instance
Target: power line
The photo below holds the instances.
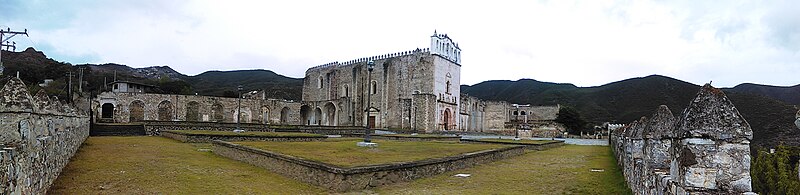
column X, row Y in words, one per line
column 3, row 38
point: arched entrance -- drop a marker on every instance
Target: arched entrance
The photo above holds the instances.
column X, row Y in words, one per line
column 245, row 115
column 165, row 111
column 318, row 116
column 447, row 121
column 192, row 111
column 107, row 111
column 264, row 115
column 285, row 115
column 217, row 112
column 136, row 111
column 305, row 115
column 330, row 114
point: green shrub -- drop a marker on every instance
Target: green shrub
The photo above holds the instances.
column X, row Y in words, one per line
column 776, row 173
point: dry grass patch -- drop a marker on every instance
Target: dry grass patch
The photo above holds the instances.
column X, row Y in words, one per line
column 345, row 153
column 157, row 165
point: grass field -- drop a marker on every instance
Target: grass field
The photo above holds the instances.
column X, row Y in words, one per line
column 561, row 170
column 247, row 133
column 344, row 152
column 157, row 165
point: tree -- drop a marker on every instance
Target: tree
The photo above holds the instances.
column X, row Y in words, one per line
column 776, row 173
column 569, row 117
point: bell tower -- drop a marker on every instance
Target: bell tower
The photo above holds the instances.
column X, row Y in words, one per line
column 442, row 45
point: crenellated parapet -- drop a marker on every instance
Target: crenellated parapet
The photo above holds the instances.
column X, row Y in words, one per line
column 38, row 135
column 706, row 150
column 366, row 59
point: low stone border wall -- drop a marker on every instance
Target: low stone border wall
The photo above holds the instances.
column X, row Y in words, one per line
column 412, row 138
column 206, row 138
column 341, row 179
column 324, row 130
column 530, row 146
column 156, row 127
column 114, row 129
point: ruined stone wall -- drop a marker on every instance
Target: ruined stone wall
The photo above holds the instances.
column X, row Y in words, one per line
column 38, row 137
column 706, row 150
column 133, row 107
column 496, row 115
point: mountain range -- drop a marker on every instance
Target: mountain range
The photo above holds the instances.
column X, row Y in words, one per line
column 769, row 109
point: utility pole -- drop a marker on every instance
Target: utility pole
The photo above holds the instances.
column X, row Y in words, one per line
column 10, row 46
column 69, row 90
column 5, row 39
column 80, row 79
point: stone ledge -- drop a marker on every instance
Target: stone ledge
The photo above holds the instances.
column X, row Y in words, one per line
column 206, row 138
column 530, row 146
column 417, row 138
column 340, row 179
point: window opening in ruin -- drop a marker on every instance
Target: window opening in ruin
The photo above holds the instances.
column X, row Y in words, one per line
column 136, row 111
column 193, row 111
column 447, row 90
column 374, row 88
column 165, row 111
column 346, row 91
column 320, row 82
column 285, row 115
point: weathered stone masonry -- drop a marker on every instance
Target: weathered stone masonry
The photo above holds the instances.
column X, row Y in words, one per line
column 38, row 137
column 704, row 151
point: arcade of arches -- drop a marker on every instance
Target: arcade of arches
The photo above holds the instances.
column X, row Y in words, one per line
column 134, row 107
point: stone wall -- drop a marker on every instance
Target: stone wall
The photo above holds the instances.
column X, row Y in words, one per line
column 706, row 150
column 155, row 127
column 341, row 179
column 207, row 138
column 38, row 137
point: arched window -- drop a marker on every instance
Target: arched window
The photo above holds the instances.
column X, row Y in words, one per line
column 447, row 89
column 374, row 88
column 346, row 91
column 515, row 113
column 320, row 82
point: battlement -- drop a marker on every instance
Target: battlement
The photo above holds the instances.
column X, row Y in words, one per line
column 373, row 58
column 38, row 137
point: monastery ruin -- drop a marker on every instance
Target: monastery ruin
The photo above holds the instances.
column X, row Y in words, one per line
column 416, row 90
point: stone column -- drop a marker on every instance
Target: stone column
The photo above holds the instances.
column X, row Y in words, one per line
column 712, row 149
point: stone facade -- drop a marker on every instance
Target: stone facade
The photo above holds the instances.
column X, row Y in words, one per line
column 704, row 151
column 341, row 179
column 135, row 107
column 39, row 135
column 411, row 90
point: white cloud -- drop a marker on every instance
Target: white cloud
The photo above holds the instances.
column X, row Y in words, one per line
column 583, row 42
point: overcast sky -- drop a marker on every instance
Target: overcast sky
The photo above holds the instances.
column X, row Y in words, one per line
column 587, row 43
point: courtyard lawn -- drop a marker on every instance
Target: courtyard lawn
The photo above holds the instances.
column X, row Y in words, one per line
column 561, row 170
column 247, row 133
column 522, row 141
column 345, row 153
column 157, row 165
